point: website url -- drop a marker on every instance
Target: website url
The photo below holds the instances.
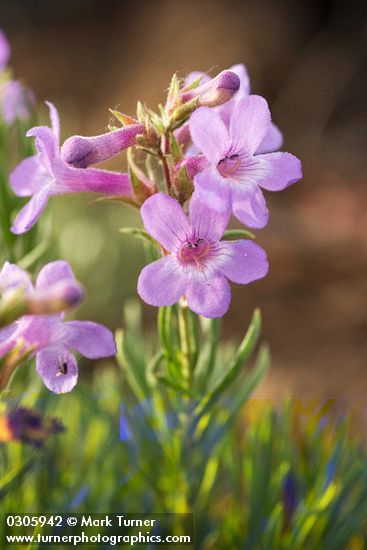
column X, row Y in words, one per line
column 112, row 540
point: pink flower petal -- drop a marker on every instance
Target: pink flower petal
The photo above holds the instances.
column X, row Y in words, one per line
column 206, row 222
column 58, row 369
column 249, row 206
column 209, row 297
column 209, row 134
column 162, row 283
column 243, row 261
column 165, row 220
column 90, row 339
column 30, row 213
column 250, row 123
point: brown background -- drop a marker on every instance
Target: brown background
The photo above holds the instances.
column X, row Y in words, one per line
column 309, row 60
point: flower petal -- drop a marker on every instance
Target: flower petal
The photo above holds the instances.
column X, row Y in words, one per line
column 162, row 283
column 241, row 71
column 13, row 277
column 90, row 339
column 206, row 222
column 27, row 177
column 214, row 189
column 243, row 261
column 249, row 206
column 90, row 180
column 272, row 141
column 53, row 273
column 30, row 213
column 47, row 145
column 165, row 220
column 58, row 369
column 81, row 152
column 56, row 284
column 55, row 119
column 250, row 122
column 276, row 171
column 208, row 297
column 209, row 134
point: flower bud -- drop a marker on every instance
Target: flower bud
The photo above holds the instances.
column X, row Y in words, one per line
column 193, row 165
column 60, row 297
column 216, row 91
column 81, row 152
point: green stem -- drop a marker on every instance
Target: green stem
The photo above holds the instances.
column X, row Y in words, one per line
column 185, row 344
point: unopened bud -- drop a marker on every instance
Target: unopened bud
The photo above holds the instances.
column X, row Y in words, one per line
column 81, row 152
column 60, row 297
column 193, row 165
column 216, row 91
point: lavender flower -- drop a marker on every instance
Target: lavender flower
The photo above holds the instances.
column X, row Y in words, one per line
column 52, row 337
column 46, row 174
column 16, row 101
column 4, row 51
column 28, row 426
column 81, row 152
column 235, row 173
column 214, row 91
column 272, row 141
column 195, row 263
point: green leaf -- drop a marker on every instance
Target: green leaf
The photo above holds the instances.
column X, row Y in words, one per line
column 237, row 234
column 139, row 234
column 236, row 366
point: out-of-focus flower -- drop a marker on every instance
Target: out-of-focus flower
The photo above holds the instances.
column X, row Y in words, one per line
column 196, row 263
column 19, row 297
column 272, row 141
column 214, row 92
column 4, row 51
column 81, row 152
column 289, row 498
column 235, row 173
column 28, row 426
column 49, row 336
column 16, row 101
column 46, row 174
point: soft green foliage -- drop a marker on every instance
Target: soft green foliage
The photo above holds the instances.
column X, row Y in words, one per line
column 134, row 443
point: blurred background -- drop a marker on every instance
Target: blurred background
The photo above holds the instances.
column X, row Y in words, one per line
column 309, row 60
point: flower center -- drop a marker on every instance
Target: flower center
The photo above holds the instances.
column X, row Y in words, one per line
column 229, row 165
column 194, row 252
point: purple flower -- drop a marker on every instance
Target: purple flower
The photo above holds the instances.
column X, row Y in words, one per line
column 16, row 101
column 81, row 152
column 216, row 91
column 196, row 264
column 4, row 51
column 46, row 174
column 272, row 141
column 52, row 337
column 235, row 173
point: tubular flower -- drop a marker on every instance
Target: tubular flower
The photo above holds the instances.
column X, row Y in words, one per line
column 52, row 338
column 81, row 152
column 196, row 264
column 273, row 140
column 216, row 91
column 235, row 172
column 46, row 174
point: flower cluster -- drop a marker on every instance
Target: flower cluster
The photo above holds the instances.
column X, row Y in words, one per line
column 205, row 156
column 47, row 335
column 214, row 141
